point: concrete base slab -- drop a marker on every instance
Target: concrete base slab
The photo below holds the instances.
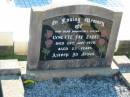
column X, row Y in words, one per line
column 122, row 61
column 44, row 75
column 23, row 67
column 12, row 86
column 126, row 78
column 9, row 67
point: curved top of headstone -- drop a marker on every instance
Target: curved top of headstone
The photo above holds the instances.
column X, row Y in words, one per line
column 114, row 5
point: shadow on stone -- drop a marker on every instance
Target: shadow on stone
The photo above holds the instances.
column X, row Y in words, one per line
column 1, row 95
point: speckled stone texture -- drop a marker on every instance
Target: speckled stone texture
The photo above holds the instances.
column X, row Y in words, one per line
column 78, row 87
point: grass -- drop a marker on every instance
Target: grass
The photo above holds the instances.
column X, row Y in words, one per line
column 7, row 52
column 123, row 52
column 123, row 48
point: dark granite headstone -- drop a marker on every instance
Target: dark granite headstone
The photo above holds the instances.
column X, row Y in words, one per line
column 76, row 36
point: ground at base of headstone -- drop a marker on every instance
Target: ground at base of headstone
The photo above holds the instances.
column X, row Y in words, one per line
column 79, row 87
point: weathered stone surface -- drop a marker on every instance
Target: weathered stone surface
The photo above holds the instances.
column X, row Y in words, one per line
column 37, row 21
column 23, row 67
column 9, row 66
column 124, row 67
column 12, row 86
column 47, row 74
column 126, row 78
column 122, row 61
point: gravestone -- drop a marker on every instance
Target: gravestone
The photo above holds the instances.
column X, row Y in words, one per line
column 68, row 36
